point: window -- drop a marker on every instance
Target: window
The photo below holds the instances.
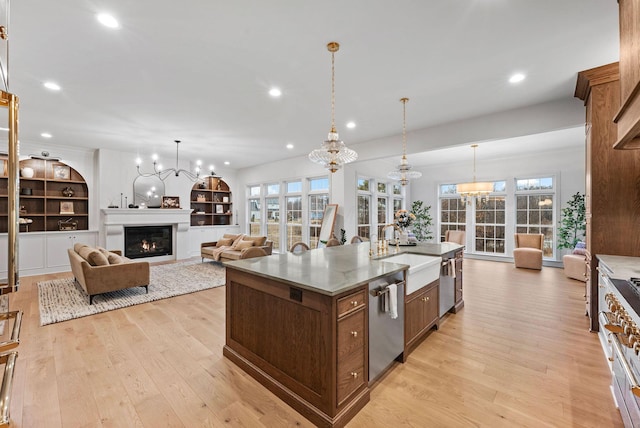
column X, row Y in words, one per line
column 294, row 187
column 382, row 214
column 273, row 221
column 397, row 189
column 382, row 187
column 294, row 219
column 363, row 184
column 453, row 212
column 490, row 225
column 319, row 184
column 254, row 191
column 535, row 199
column 273, row 189
column 317, row 203
column 364, row 223
column 255, row 223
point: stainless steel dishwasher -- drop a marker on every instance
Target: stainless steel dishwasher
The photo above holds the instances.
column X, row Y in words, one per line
column 386, row 335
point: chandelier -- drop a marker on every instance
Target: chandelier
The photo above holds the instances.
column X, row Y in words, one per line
column 333, row 153
column 469, row 191
column 403, row 171
column 163, row 174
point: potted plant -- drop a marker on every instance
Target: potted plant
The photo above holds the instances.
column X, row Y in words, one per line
column 421, row 226
column 572, row 222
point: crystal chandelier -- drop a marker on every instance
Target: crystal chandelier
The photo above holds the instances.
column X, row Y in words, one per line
column 403, row 171
column 469, row 191
column 163, row 174
column 333, row 153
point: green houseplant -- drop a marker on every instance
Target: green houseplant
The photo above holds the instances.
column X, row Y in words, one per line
column 572, row 222
column 421, row 226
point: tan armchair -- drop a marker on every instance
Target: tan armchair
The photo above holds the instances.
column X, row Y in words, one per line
column 299, row 247
column 457, row 236
column 528, row 251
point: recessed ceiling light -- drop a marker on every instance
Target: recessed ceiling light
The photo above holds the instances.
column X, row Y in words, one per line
column 517, row 78
column 275, row 92
column 107, row 20
column 227, row 162
column 351, row 125
column 289, row 146
column 46, row 135
column 52, row 85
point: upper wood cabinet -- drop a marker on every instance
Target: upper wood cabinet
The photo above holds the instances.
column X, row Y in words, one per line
column 211, row 203
column 628, row 117
column 53, row 197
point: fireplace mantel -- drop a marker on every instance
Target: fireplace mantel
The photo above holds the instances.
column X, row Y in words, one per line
column 113, row 221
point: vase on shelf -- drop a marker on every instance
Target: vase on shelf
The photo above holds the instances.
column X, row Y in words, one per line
column 26, row 172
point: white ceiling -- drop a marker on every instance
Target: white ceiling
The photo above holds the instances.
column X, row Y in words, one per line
column 199, row 71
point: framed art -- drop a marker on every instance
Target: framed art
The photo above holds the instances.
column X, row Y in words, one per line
column 66, row 207
column 219, row 209
column 170, row 202
column 61, row 172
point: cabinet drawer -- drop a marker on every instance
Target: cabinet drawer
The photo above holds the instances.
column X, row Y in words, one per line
column 350, row 374
column 351, row 334
column 351, row 302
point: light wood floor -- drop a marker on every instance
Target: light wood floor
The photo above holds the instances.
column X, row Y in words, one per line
column 518, row 354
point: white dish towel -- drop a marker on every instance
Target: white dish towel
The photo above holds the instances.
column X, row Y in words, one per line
column 393, row 300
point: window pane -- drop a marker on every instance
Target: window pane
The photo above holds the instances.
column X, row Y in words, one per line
column 273, row 221
column 317, row 203
column 382, row 187
column 254, row 191
column 273, row 189
column 363, row 184
column 397, row 189
column 294, row 187
column 318, row 184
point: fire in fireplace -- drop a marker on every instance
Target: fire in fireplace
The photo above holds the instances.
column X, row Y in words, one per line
column 148, row 241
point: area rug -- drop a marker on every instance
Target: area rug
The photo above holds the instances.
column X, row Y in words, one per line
column 63, row 299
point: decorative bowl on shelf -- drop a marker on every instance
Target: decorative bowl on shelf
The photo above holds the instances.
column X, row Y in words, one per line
column 200, row 222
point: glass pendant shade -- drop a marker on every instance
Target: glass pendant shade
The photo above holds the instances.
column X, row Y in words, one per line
column 403, row 171
column 333, row 153
column 474, row 189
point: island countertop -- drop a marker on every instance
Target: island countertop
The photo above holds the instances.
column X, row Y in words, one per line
column 620, row 267
column 334, row 270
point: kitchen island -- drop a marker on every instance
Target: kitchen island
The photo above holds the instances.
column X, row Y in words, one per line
column 299, row 324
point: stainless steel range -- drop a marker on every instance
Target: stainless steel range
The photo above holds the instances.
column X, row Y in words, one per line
column 619, row 319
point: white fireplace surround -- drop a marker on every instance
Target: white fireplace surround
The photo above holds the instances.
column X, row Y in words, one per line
column 114, row 220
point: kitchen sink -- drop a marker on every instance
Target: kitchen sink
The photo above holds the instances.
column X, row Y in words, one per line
column 423, row 270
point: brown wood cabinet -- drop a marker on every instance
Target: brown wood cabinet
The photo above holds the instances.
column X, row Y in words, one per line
column 420, row 314
column 628, row 116
column 458, row 295
column 43, row 197
column 612, row 199
column 309, row 349
column 211, row 203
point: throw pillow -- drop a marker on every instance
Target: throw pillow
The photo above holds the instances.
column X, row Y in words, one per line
column 103, row 251
column 114, row 259
column 224, row 242
column 244, row 244
column 580, row 249
column 78, row 246
column 236, row 241
column 93, row 256
column 258, row 241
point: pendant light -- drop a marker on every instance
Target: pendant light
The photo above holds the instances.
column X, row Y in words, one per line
column 469, row 191
column 403, row 171
column 333, row 153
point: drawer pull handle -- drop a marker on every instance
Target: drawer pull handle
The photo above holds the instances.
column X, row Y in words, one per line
column 354, row 375
column 354, row 303
column 425, row 299
column 354, row 333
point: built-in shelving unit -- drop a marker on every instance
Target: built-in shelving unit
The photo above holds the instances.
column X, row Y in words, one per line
column 211, row 203
column 43, row 200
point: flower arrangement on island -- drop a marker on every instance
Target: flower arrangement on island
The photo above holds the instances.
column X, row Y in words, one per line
column 403, row 219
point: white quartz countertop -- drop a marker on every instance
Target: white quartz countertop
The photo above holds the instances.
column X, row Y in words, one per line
column 620, row 267
column 333, row 270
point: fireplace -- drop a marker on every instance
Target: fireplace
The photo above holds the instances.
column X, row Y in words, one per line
column 148, row 241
